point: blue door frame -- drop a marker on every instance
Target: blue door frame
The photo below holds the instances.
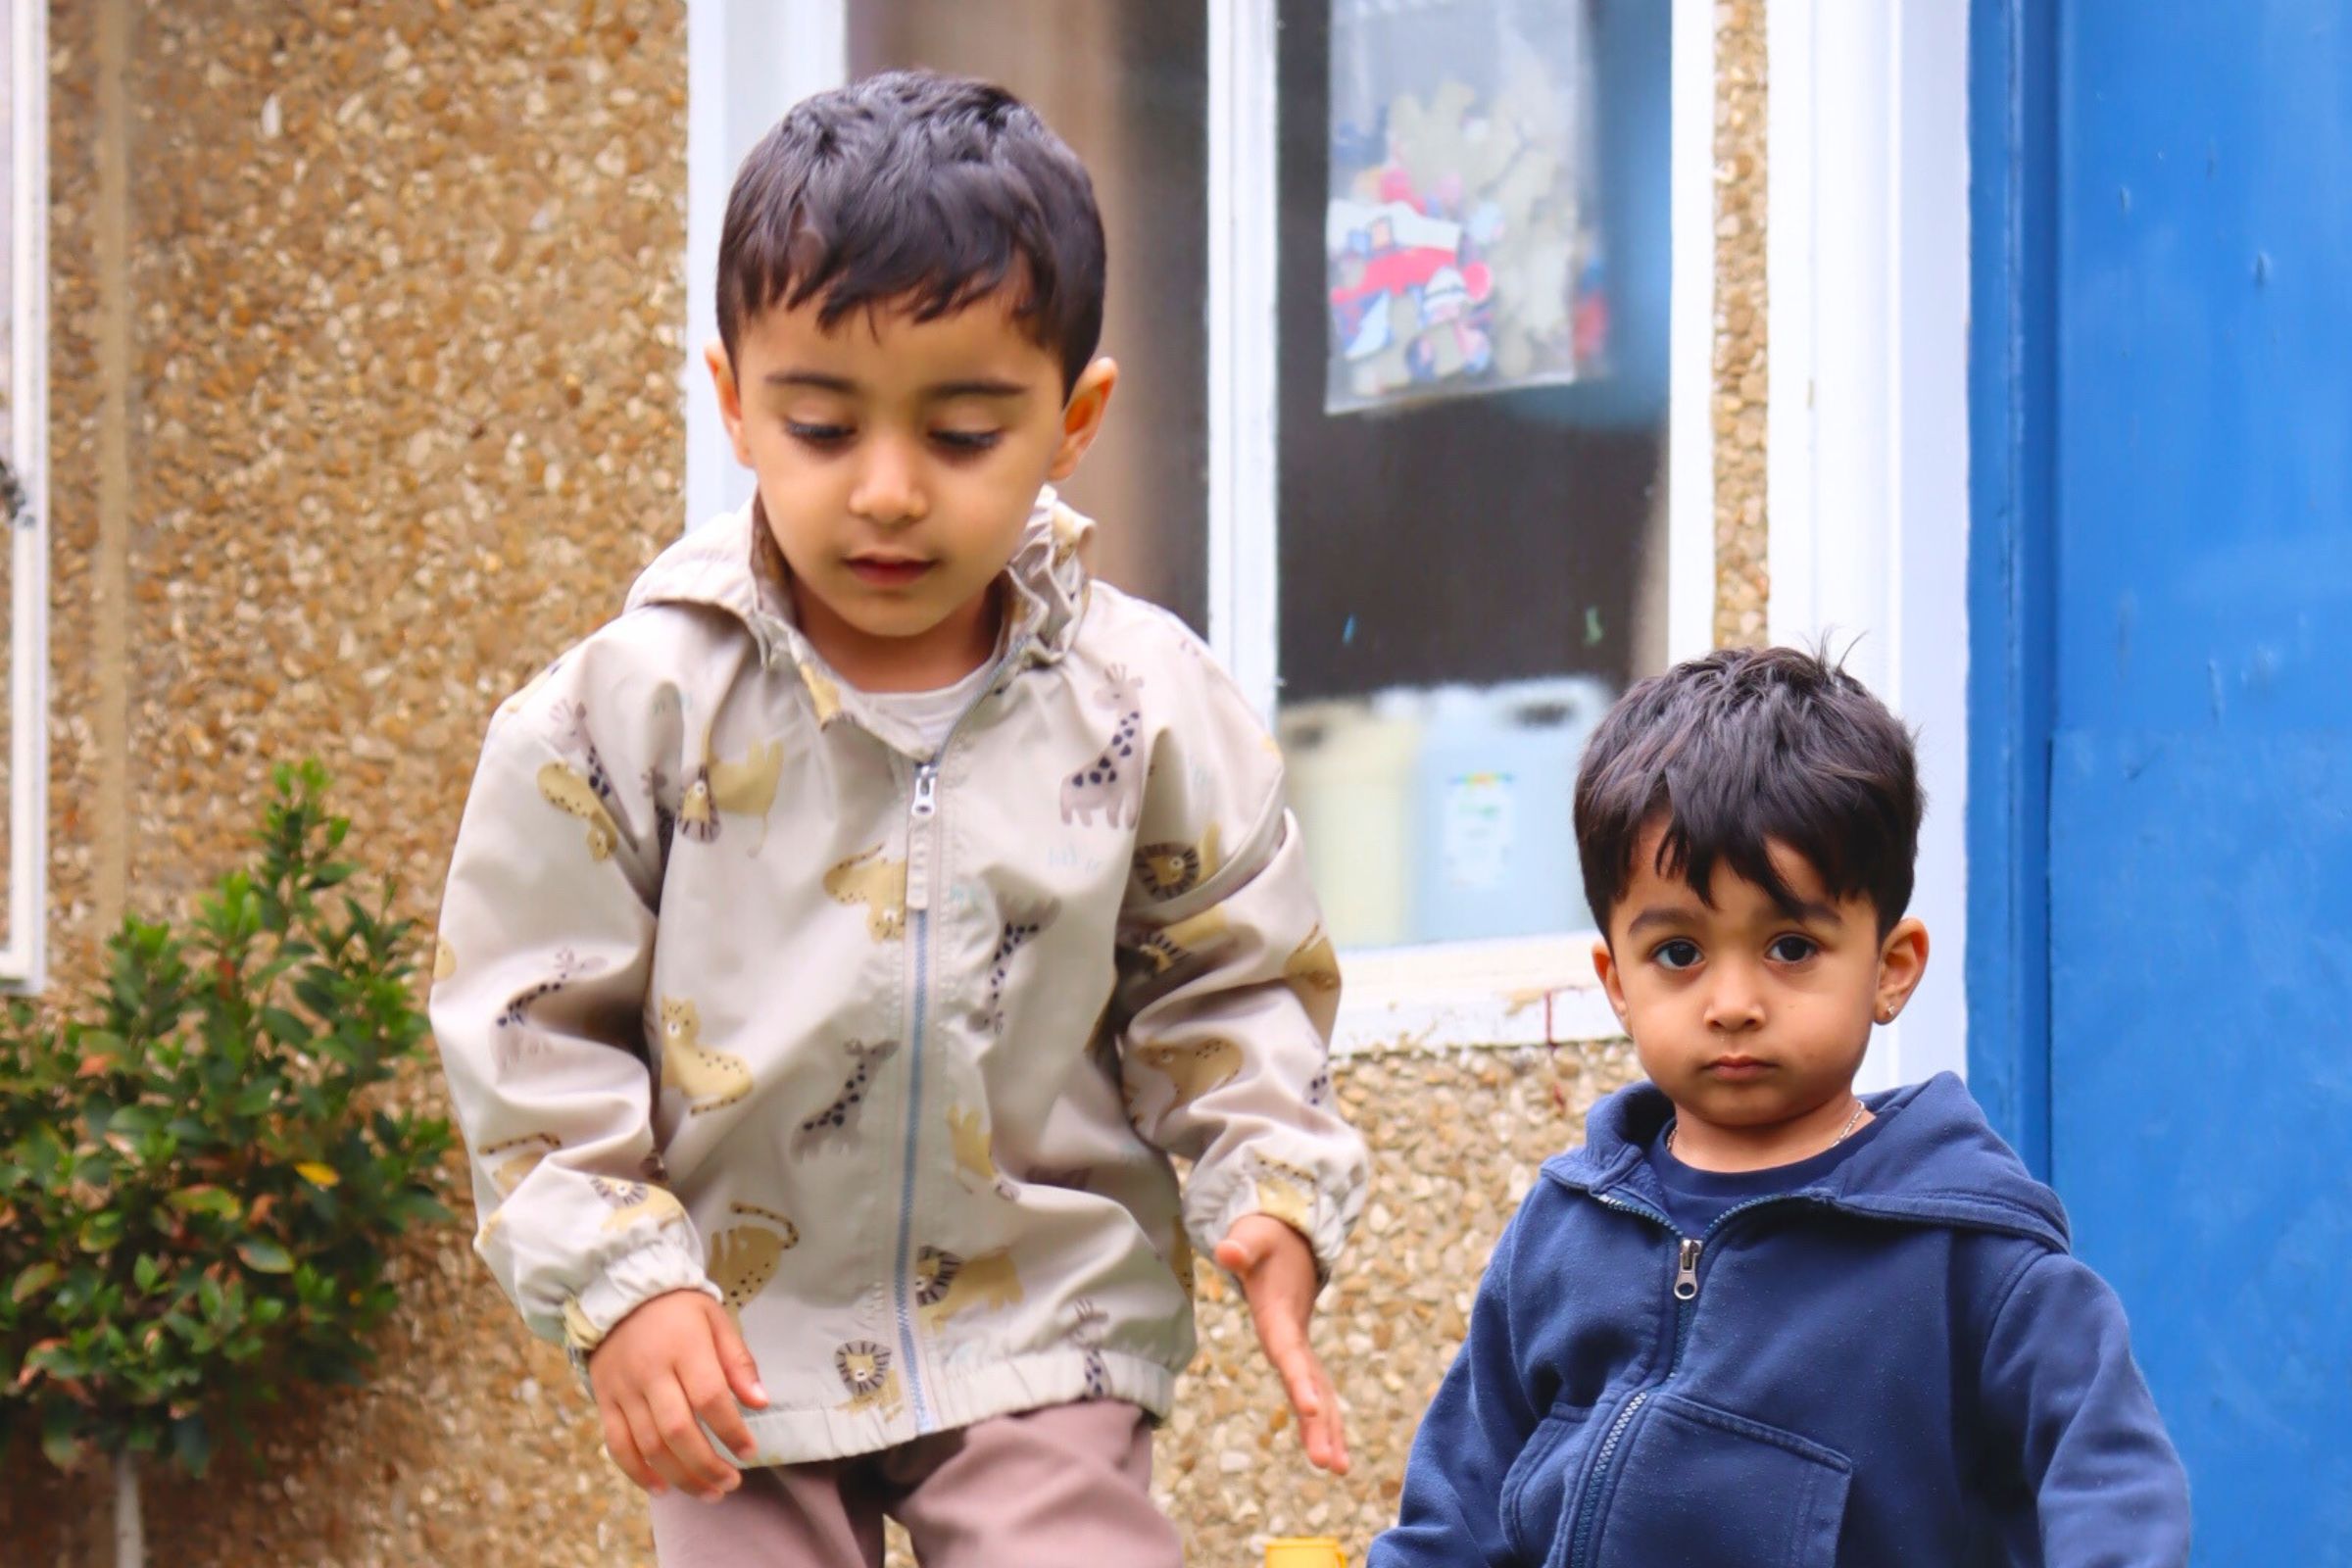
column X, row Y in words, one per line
column 2011, row 567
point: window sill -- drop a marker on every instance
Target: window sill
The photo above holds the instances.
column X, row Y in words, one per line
column 1538, row 990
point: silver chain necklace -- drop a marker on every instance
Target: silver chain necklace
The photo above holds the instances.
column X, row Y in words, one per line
column 1833, row 1142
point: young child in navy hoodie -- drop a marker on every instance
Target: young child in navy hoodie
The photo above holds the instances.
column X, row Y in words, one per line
column 1759, row 1319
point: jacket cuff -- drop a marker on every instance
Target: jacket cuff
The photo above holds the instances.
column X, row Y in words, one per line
column 668, row 1263
column 1320, row 1213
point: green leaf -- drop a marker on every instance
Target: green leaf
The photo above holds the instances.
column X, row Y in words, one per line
column 33, row 1282
column 206, row 1199
column 135, row 1121
column 316, row 993
column 284, row 1027
column 58, row 1439
column 102, row 1231
column 265, row 1257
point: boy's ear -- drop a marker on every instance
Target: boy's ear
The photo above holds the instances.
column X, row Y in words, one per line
column 730, row 398
column 1902, row 963
column 1082, row 416
column 1604, row 965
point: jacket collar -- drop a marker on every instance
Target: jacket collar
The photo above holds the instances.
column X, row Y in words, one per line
column 731, row 565
column 1936, row 1163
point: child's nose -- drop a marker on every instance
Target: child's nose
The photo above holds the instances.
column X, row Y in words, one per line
column 888, row 491
column 1736, row 999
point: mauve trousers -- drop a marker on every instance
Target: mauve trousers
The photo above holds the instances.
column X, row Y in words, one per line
column 1066, row 1487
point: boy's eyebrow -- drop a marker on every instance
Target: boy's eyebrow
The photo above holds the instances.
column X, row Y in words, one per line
column 815, row 379
column 1805, row 912
column 977, row 387
column 1656, row 918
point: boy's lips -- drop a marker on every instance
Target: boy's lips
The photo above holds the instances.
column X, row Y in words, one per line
column 888, row 571
column 1738, row 1068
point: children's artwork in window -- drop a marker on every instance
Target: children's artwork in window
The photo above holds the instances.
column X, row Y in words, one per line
column 1463, row 232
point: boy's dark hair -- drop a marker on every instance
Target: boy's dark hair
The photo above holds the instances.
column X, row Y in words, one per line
column 917, row 190
column 1739, row 748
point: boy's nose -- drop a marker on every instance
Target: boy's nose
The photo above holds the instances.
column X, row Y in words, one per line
column 1735, row 1003
column 888, row 492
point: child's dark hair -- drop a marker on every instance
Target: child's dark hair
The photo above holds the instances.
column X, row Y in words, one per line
column 917, row 190
column 1740, row 747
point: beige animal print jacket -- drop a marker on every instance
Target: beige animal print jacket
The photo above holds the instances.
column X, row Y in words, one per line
column 738, row 991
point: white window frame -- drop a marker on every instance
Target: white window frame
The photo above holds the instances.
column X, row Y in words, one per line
column 1867, row 429
column 748, row 62
column 23, row 957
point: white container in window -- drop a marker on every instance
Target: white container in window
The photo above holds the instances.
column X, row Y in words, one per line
column 1351, row 769
column 1495, row 839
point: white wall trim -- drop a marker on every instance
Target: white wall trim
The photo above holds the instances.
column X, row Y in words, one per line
column 1243, row 217
column 746, row 62
column 1691, row 338
column 1866, row 468
column 24, row 958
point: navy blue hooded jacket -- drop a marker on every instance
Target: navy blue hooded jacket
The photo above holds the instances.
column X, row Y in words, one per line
column 1898, row 1366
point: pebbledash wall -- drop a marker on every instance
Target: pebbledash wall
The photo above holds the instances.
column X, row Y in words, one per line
column 365, row 398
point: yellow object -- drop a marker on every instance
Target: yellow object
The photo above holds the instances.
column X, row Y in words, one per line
column 1306, row 1551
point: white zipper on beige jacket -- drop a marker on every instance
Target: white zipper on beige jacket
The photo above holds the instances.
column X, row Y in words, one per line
column 740, row 989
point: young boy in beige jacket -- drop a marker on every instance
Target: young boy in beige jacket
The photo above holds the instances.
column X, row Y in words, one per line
column 839, row 944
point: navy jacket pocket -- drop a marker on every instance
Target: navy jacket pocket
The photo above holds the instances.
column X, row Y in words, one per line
column 1702, row 1488
column 1535, row 1486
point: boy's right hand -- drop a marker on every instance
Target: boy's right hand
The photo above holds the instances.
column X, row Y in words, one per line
column 675, row 1357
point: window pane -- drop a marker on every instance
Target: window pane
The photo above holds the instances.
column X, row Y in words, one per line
column 1473, row 411
column 1127, row 86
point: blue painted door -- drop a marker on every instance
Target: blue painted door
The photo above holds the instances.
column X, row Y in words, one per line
column 2190, row 459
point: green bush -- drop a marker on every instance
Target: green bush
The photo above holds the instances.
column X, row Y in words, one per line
column 198, row 1194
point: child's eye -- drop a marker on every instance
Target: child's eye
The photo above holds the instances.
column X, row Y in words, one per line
column 968, row 441
column 1793, row 950
column 1678, row 954
column 817, row 435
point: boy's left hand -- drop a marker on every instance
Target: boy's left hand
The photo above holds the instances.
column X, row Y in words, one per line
column 1277, row 1271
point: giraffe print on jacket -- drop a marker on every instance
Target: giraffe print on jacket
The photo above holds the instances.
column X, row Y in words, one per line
column 573, row 739
column 1022, row 925
column 513, row 1039
column 1113, row 782
column 1088, row 1326
column 836, row 1126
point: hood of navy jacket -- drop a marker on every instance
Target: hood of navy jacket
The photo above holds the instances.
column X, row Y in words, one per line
column 1935, row 1162
column 1898, row 1362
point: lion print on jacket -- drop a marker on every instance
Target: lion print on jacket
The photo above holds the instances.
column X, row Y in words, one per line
column 873, row 1383
column 948, row 1286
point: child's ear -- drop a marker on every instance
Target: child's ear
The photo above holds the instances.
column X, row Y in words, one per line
column 1902, row 963
column 1604, row 965
column 730, row 398
column 1082, row 416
